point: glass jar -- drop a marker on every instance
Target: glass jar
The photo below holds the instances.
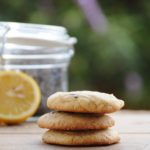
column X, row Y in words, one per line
column 42, row 51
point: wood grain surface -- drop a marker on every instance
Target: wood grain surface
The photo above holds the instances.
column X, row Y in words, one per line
column 134, row 128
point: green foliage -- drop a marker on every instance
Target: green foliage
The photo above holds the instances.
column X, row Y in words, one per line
column 102, row 61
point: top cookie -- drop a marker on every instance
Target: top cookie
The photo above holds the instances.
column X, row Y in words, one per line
column 84, row 102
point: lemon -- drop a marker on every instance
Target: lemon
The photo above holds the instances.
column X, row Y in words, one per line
column 19, row 96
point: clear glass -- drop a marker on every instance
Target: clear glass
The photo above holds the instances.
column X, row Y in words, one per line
column 45, row 56
column 3, row 30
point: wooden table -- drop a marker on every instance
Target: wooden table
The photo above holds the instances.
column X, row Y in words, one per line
column 134, row 128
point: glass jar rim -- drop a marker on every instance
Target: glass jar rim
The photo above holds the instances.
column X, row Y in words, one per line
column 38, row 34
column 37, row 45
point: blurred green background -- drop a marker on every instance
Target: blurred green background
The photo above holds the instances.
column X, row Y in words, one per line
column 113, row 50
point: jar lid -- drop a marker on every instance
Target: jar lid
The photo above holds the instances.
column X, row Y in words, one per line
column 38, row 34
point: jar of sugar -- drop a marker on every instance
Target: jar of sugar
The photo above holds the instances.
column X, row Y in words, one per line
column 42, row 51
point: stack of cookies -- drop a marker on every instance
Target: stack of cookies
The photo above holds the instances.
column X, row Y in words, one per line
column 79, row 118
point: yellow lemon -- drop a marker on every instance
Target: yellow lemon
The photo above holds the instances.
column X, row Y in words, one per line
column 19, row 96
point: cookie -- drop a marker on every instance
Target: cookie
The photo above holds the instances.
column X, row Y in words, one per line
column 87, row 137
column 74, row 121
column 84, row 102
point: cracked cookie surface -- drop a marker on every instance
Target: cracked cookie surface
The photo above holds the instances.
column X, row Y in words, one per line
column 88, row 137
column 75, row 121
column 84, row 102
